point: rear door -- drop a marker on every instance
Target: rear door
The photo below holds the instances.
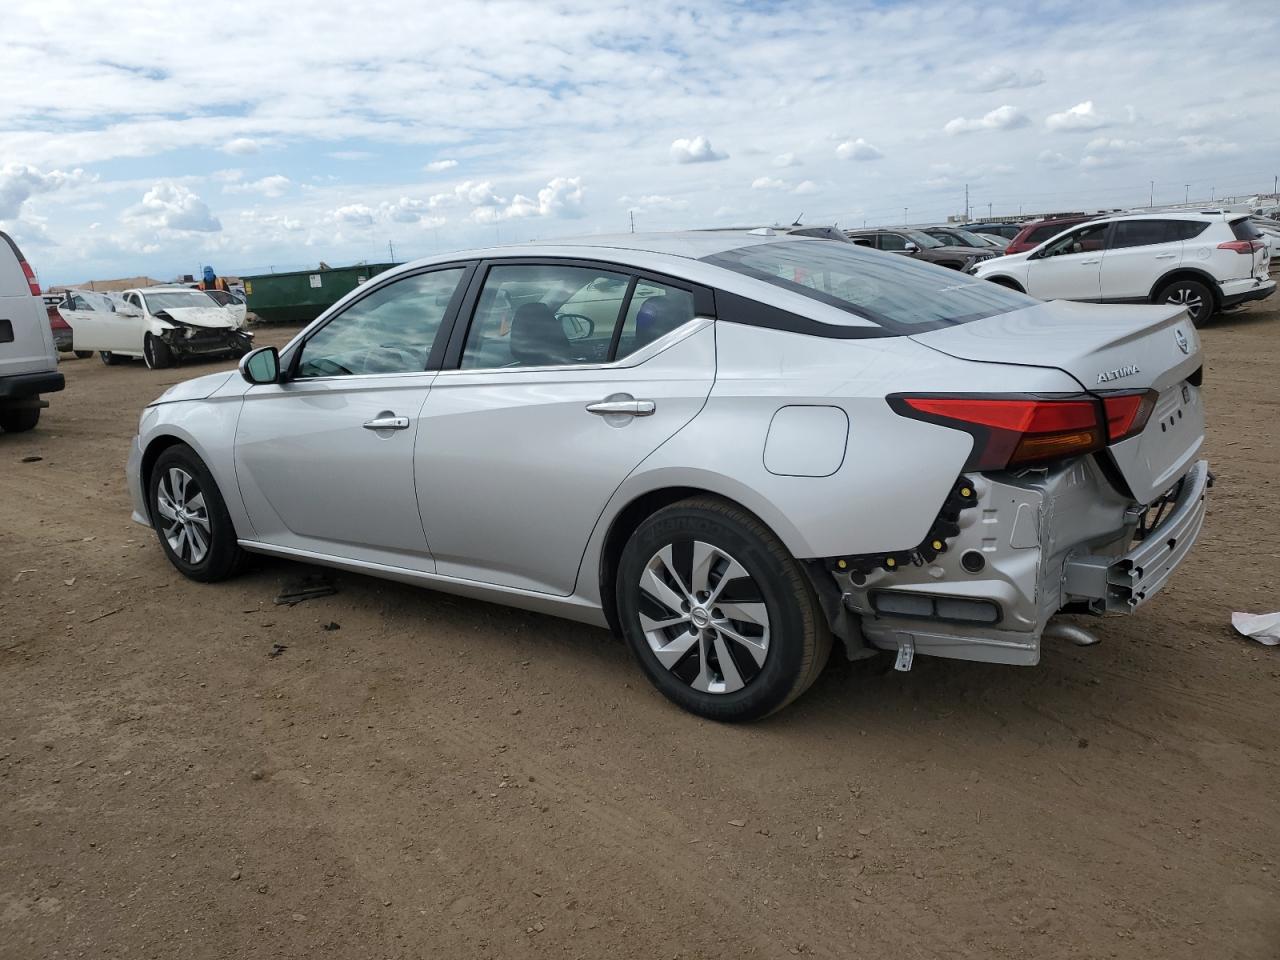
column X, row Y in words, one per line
column 96, row 325
column 26, row 342
column 1139, row 253
column 1069, row 268
column 569, row 374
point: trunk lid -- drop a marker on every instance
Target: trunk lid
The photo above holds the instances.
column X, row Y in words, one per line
column 1105, row 348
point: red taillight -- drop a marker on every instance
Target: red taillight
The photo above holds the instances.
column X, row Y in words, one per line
column 31, row 278
column 1127, row 413
column 1241, row 246
column 1014, row 431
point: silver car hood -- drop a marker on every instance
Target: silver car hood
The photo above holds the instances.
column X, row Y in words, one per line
column 212, row 317
column 199, row 388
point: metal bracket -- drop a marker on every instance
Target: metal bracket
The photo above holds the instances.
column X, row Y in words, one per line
column 906, row 652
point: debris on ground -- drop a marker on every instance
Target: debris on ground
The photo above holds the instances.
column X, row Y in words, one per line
column 307, row 587
column 32, row 459
column 1263, row 627
column 332, row 625
column 277, row 649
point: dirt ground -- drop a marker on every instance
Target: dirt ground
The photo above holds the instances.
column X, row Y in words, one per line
column 419, row 776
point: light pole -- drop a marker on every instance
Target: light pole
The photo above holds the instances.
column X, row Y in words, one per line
column 1151, row 201
column 1187, row 196
column 988, row 209
column 904, row 216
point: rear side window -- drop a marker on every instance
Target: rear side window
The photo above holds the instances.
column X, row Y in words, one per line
column 1042, row 233
column 1245, row 230
column 1186, row 229
column 898, row 294
column 1142, row 233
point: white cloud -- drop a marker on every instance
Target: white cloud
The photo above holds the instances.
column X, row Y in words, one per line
column 1083, row 116
column 1053, row 160
column 1201, row 146
column 768, row 183
column 653, row 201
column 231, row 175
column 785, row 160
column 1006, row 117
column 275, row 185
column 697, row 150
column 561, row 197
column 241, row 146
column 172, row 206
column 806, row 186
column 355, row 214
column 997, row 77
column 858, row 149
column 19, row 182
column 352, row 154
column 436, row 166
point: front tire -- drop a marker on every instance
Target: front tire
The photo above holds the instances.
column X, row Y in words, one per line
column 721, row 617
column 1192, row 294
column 110, row 359
column 156, row 353
column 190, row 517
column 83, row 354
column 19, row 420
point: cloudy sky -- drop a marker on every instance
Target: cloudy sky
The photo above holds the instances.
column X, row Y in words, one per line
column 156, row 137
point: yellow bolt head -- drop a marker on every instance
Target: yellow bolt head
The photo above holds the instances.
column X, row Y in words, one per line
column 966, row 492
column 841, row 564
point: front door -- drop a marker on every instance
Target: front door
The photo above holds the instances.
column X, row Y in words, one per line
column 325, row 459
column 570, row 376
column 98, row 324
column 1070, row 268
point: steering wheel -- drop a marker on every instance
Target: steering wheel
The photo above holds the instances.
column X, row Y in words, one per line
column 578, row 320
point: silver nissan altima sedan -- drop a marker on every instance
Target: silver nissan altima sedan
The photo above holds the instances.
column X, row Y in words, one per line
column 730, row 448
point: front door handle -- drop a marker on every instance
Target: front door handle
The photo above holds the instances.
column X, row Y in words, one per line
column 1165, row 256
column 626, row 408
column 1086, row 263
column 387, row 423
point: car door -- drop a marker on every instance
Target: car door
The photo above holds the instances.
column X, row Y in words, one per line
column 97, row 325
column 534, row 422
column 324, row 459
column 1139, row 252
column 1070, row 267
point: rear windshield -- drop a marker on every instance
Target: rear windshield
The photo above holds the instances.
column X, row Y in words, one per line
column 1245, row 230
column 897, row 293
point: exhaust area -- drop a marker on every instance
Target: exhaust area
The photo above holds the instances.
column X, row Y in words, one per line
column 1072, row 634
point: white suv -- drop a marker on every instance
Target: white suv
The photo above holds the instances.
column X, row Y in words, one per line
column 28, row 361
column 1207, row 261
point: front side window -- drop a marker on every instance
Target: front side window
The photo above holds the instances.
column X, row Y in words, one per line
column 891, row 241
column 540, row 315
column 391, row 330
column 1088, row 239
column 899, row 294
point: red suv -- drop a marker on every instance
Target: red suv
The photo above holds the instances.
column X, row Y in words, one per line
column 1037, row 232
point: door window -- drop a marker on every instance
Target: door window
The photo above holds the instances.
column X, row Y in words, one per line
column 538, row 315
column 1085, row 240
column 655, row 310
column 891, row 241
column 1142, row 233
column 391, row 330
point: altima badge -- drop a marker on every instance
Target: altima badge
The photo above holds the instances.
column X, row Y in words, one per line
column 1181, row 337
column 1126, row 371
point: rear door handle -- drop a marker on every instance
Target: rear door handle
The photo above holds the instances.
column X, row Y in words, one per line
column 387, row 423
column 626, row 408
column 1165, row 256
column 1086, row 263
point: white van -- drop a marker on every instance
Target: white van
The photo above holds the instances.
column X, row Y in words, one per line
column 28, row 362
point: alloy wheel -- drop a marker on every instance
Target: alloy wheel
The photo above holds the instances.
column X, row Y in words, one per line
column 180, row 503
column 1187, row 297
column 704, row 617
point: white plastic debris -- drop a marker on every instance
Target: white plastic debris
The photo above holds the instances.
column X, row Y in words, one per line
column 1263, row 627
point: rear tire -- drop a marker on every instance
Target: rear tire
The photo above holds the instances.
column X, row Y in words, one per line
column 19, row 420
column 731, row 628
column 1192, row 294
column 83, row 354
column 156, row 353
column 110, row 359
column 190, row 517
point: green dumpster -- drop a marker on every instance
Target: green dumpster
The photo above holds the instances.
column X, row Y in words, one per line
column 302, row 295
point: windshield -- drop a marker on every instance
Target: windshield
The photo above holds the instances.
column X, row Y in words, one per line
column 922, row 239
column 897, row 293
column 178, row 298
column 970, row 239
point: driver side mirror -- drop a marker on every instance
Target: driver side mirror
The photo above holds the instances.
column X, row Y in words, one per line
column 911, row 247
column 261, row 366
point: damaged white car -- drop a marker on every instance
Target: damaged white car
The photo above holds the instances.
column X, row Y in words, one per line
column 163, row 326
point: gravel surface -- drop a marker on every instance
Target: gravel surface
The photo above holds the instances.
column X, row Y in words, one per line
column 193, row 771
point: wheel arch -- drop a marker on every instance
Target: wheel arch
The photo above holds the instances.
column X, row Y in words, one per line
column 640, row 506
column 1006, row 281
column 1188, row 273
